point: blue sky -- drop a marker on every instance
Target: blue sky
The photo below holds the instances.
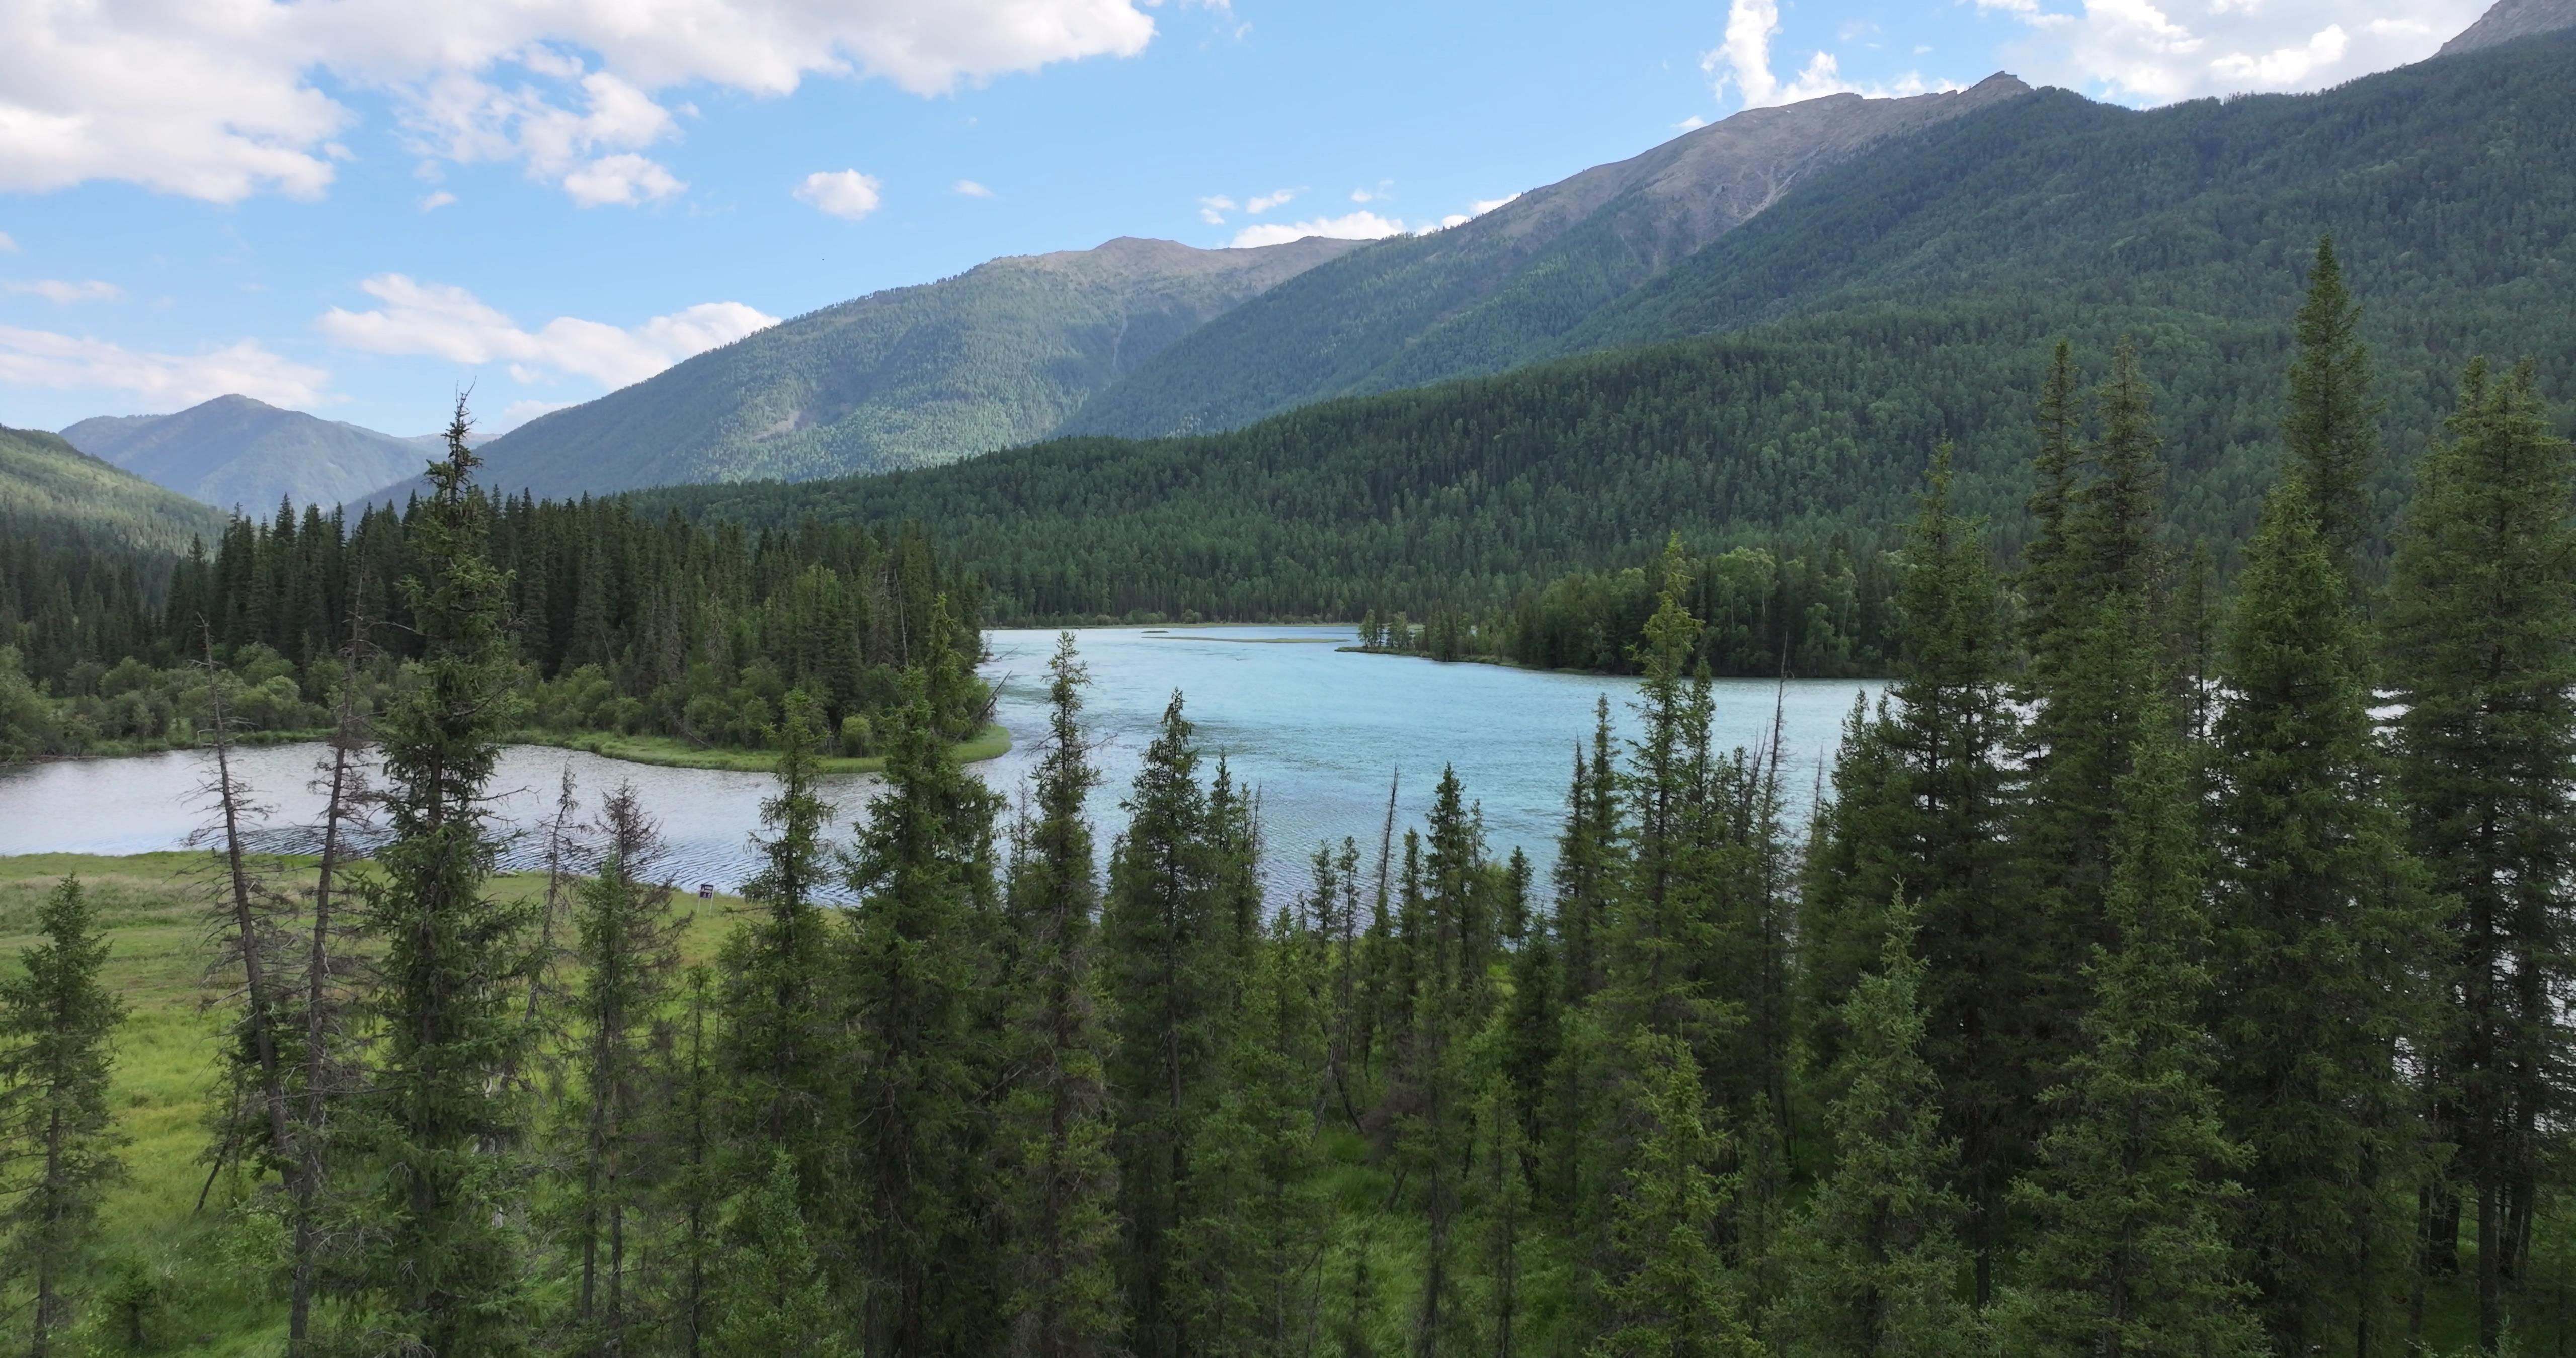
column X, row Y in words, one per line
column 327, row 205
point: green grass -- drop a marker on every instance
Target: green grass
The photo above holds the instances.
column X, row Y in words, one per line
column 674, row 753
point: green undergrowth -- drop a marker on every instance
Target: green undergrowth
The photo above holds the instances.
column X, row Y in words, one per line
column 992, row 742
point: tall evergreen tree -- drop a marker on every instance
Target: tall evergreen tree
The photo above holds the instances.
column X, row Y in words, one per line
column 1060, row 1171
column 1164, row 943
column 447, row 1265
column 1874, row 1263
column 627, row 944
column 2332, row 431
column 920, row 954
column 769, row 1295
column 2482, row 655
column 2324, row 930
column 57, row 1136
column 1669, row 1295
column 2128, row 1251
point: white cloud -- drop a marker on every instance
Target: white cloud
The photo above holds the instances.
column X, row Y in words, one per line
column 64, row 291
column 222, row 99
column 846, row 194
column 1692, row 123
column 625, row 180
column 7, row 246
column 1212, row 209
column 1263, row 202
column 1484, row 205
column 970, row 189
column 2157, row 51
column 1361, row 225
column 40, row 358
column 1743, row 63
column 451, row 323
column 435, row 201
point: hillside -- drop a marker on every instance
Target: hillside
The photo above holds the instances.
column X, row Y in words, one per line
column 2511, row 20
column 44, row 479
column 912, row 376
column 2450, row 186
column 236, row 452
column 1499, row 290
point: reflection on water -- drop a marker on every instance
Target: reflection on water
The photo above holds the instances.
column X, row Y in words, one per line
column 1318, row 734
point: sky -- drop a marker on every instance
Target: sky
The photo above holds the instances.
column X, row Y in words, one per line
column 360, row 207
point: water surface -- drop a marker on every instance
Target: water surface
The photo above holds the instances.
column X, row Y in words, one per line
column 1318, row 733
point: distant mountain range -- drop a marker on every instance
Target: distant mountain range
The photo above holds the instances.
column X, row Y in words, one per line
column 2509, row 20
column 234, row 452
column 46, row 481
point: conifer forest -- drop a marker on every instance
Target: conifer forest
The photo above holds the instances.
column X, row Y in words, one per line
column 2174, row 962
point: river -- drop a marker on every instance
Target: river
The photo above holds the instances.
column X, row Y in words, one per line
column 1318, row 733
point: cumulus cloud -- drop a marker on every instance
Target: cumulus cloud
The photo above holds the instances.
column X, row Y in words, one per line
column 63, row 291
column 624, row 180
column 451, row 323
column 1212, row 209
column 1742, row 63
column 1361, row 225
column 2157, row 51
column 968, row 188
column 223, row 99
column 40, row 358
column 846, row 194
column 1262, row 202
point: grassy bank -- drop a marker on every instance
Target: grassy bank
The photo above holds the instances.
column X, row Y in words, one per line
column 671, row 752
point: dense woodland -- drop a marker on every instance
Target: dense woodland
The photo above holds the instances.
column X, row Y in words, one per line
column 620, row 623
column 2164, row 975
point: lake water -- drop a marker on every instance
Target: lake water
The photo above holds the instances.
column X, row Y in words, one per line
column 1318, row 733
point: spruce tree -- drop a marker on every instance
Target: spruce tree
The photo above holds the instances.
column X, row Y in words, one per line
column 2324, row 934
column 447, row 1261
column 2481, row 638
column 919, row 957
column 58, row 1137
column 1873, row 1264
column 1922, row 808
column 2128, row 1251
column 2332, row 431
column 1059, row 1171
column 768, row 1295
column 1163, row 942
column 626, row 942
column 1669, row 1295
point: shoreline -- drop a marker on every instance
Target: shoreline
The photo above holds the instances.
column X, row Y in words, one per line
column 990, row 743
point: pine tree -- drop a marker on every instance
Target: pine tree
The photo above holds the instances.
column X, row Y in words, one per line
column 1669, row 1296
column 2323, row 931
column 1874, row 1263
column 1923, row 802
column 447, row 1263
column 2332, row 431
column 57, row 1135
column 2482, row 655
column 919, row 957
column 626, row 942
column 1059, row 1169
column 769, row 1296
column 2128, row 1251
column 1163, row 940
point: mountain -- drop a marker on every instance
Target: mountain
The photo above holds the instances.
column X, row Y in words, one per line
column 1499, row 290
column 237, row 452
column 997, row 355
column 1903, row 299
column 44, row 479
column 2511, row 20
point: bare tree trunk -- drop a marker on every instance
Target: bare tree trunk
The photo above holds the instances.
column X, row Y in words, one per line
column 249, row 934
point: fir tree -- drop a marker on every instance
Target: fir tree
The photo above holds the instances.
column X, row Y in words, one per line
column 1059, row 1169
column 626, row 942
column 1669, row 1296
column 2332, row 431
column 57, row 1135
column 2128, row 1252
column 447, row 1264
column 769, row 1296
column 2323, row 929
column 923, row 872
column 1873, row 1263
column 1163, row 938
column 2482, row 654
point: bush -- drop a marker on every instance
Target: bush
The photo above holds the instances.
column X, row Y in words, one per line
column 858, row 738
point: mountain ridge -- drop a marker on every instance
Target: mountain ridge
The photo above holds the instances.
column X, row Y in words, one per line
column 237, row 452
column 45, row 479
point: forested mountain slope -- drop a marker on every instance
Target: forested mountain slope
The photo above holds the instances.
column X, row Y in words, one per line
column 45, row 480
column 906, row 377
column 1497, row 291
column 237, row 452
column 2450, row 188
